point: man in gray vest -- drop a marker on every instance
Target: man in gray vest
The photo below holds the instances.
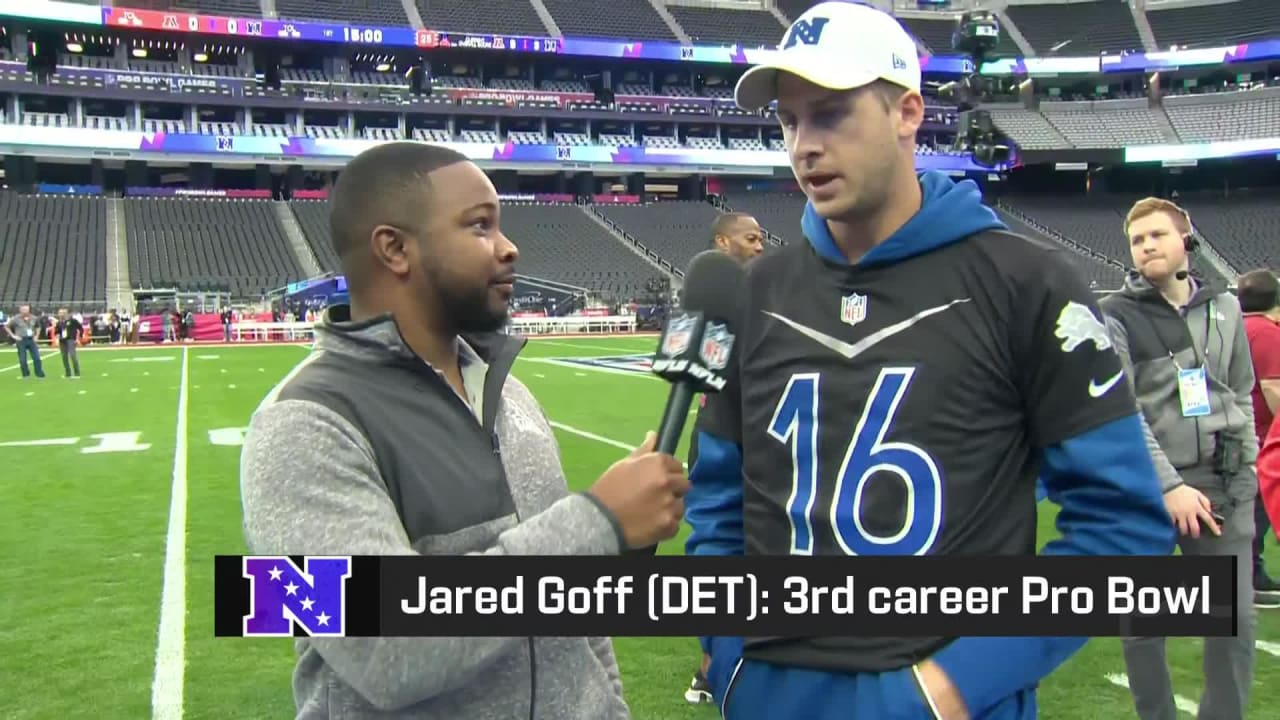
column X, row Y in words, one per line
column 417, row 440
column 23, row 328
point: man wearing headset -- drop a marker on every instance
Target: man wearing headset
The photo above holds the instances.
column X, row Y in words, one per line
column 1184, row 349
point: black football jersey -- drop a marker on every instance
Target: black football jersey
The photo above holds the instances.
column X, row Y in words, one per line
column 901, row 409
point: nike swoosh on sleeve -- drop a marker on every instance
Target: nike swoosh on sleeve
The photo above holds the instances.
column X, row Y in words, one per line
column 1098, row 390
column 852, row 350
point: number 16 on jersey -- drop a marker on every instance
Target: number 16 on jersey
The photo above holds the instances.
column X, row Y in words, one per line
column 795, row 423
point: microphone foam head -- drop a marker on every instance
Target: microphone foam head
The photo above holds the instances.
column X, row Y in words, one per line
column 711, row 285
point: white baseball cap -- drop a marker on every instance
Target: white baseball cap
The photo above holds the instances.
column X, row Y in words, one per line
column 837, row 45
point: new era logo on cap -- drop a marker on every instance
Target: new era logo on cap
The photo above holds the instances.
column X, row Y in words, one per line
column 837, row 45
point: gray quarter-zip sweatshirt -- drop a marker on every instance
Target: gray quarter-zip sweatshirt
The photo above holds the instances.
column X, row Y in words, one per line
column 1154, row 340
column 364, row 449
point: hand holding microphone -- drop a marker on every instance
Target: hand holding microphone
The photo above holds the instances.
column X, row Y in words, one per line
column 645, row 491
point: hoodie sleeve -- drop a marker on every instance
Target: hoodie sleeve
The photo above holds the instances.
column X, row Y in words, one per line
column 713, row 505
column 1168, row 474
column 1094, row 465
column 326, row 496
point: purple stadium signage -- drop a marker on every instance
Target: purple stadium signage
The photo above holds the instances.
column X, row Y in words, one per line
column 283, row 595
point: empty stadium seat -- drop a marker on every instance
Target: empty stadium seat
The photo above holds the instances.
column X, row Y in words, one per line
column 747, row 27
column 1214, row 25
column 235, row 243
column 633, row 19
column 53, row 251
column 367, row 12
column 1078, row 28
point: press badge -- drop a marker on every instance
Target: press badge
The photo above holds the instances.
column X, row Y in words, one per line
column 1193, row 391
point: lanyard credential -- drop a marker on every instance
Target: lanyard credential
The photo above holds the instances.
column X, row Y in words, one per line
column 1193, row 382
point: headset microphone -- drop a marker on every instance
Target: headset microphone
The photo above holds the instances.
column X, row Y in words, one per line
column 697, row 342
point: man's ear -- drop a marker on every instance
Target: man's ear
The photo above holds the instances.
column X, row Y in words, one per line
column 389, row 247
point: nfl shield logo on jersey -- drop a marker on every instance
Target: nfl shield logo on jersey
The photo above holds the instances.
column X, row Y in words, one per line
column 853, row 308
column 679, row 329
column 717, row 345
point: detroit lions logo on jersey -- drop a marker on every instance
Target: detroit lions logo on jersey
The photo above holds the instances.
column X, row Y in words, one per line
column 1078, row 325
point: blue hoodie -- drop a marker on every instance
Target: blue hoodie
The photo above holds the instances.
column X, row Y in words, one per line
column 995, row 676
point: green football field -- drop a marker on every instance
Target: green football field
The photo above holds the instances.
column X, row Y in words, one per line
column 121, row 487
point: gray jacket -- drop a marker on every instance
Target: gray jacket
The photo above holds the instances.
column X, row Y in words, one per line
column 363, row 449
column 1154, row 339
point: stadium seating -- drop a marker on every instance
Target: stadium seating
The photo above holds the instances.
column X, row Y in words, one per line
column 366, row 12
column 778, row 213
column 676, row 231
column 313, row 218
column 714, row 25
column 1225, row 116
column 234, row 8
column 1214, row 25
column 1109, row 123
column 1098, row 272
column 52, row 251
column 232, row 245
column 1242, row 229
column 562, row 243
column 508, row 17
column 1076, row 29
column 617, row 19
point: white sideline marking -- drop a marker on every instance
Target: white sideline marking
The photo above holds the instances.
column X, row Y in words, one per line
column 1183, row 704
column 1270, row 648
column 166, row 688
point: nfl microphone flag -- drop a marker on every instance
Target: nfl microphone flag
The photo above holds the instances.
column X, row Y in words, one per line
column 641, row 595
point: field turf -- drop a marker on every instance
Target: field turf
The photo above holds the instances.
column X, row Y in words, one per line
column 88, row 495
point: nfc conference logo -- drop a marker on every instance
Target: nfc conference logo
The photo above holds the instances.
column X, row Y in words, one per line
column 283, row 596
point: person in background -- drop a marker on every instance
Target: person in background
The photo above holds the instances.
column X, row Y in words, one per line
column 167, row 317
column 739, row 236
column 67, row 330
column 1259, row 293
column 1184, row 349
column 225, row 316
column 23, row 328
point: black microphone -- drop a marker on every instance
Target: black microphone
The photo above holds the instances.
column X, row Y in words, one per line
column 697, row 342
column 1181, row 274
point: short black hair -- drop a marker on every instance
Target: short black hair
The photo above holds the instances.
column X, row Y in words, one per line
column 1258, row 290
column 382, row 185
column 723, row 222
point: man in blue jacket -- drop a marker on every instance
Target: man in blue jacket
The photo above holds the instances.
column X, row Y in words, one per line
column 905, row 375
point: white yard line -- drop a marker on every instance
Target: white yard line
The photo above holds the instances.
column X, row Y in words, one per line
column 166, row 689
column 1187, row 706
column 583, row 366
column 592, row 436
column 43, row 355
column 598, row 438
column 1270, row 648
column 40, row 443
column 584, row 346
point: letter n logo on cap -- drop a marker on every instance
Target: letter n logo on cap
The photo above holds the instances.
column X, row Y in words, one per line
column 807, row 32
